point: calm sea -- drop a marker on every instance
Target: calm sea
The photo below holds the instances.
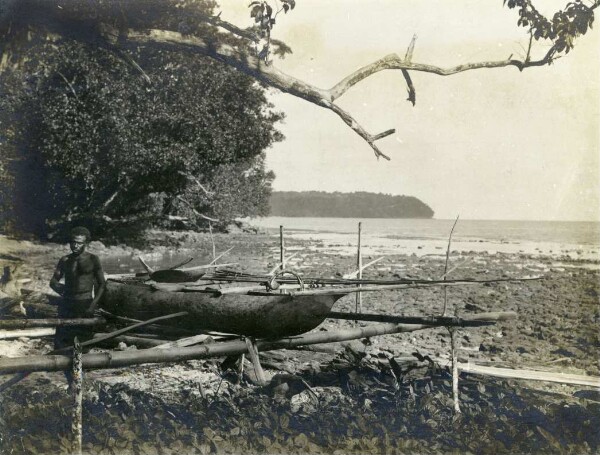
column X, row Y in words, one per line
column 429, row 236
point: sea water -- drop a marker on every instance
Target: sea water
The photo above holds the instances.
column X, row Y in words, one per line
column 559, row 239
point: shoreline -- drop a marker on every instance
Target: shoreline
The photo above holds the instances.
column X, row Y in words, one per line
column 556, row 331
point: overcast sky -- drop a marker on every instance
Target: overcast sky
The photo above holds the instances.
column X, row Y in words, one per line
column 485, row 144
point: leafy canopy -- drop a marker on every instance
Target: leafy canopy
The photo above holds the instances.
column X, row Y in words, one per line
column 107, row 144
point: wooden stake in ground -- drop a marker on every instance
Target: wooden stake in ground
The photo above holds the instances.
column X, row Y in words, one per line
column 253, row 353
column 214, row 249
column 281, row 249
column 455, row 397
column 77, row 388
column 446, row 266
column 240, row 371
column 359, row 267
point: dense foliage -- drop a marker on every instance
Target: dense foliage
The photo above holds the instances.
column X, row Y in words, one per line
column 347, row 205
column 92, row 140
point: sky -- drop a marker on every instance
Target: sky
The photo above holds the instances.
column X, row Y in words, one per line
column 483, row 144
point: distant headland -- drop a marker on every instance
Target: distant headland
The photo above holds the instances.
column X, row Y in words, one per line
column 347, row 205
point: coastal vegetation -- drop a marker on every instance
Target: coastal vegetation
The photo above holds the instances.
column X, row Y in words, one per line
column 102, row 122
column 359, row 204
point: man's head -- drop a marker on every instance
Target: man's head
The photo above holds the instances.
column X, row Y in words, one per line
column 80, row 237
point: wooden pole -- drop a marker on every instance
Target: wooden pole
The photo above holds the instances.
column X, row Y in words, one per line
column 281, row 248
column 444, row 276
column 116, row 333
column 240, row 371
column 31, row 323
column 77, row 388
column 212, row 239
column 261, row 379
column 455, row 396
column 475, row 320
column 358, row 308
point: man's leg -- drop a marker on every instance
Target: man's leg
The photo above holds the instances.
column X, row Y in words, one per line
column 64, row 338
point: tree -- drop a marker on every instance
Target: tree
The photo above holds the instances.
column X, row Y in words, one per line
column 123, row 27
column 97, row 144
column 185, row 24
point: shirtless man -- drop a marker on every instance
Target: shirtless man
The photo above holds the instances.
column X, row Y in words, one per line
column 84, row 280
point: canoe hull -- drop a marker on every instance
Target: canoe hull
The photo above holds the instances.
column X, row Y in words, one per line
column 262, row 316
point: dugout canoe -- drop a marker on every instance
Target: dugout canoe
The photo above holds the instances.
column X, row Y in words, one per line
column 261, row 315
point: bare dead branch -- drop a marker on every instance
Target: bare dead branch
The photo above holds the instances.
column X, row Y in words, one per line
column 110, row 200
column 412, row 94
column 196, row 212
column 197, row 182
column 254, row 67
column 68, row 84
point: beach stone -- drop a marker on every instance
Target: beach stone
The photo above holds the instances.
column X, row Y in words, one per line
column 303, row 401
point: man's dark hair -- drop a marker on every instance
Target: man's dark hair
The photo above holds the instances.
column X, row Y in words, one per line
column 80, row 230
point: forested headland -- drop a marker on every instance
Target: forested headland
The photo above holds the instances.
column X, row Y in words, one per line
column 347, row 205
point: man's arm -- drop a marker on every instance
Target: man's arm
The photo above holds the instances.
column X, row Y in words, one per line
column 56, row 277
column 99, row 285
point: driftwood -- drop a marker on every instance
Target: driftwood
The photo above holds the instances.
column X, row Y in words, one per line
column 530, row 375
column 31, row 323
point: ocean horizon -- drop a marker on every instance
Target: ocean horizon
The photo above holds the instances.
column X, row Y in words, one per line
column 574, row 239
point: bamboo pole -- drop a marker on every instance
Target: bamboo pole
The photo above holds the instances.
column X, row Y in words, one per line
column 77, row 387
column 27, row 333
column 358, row 308
column 222, row 349
column 31, row 323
